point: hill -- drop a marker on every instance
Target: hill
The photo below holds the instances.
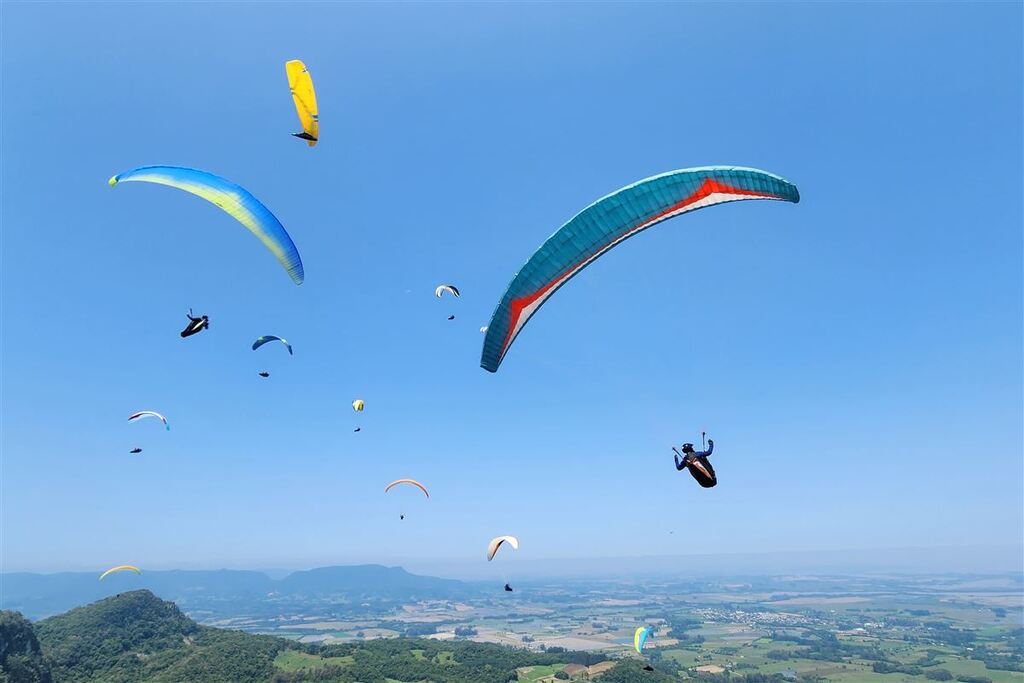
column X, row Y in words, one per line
column 369, row 582
column 42, row 595
column 21, row 658
column 136, row 637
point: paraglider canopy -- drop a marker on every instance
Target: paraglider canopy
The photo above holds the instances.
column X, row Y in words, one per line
column 120, row 568
column 608, row 222
column 451, row 289
column 358, row 405
column 498, row 542
column 149, row 413
column 269, row 338
column 411, row 482
column 301, row 85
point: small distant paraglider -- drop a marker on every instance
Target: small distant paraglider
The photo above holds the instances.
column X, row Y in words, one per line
column 411, row 482
column 149, row 413
column 451, row 289
column 196, row 324
column 301, row 85
column 357, row 406
column 263, row 374
column 499, row 542
column 120, row 568
column 269, row 338
column 496, row 544
column 135, row 451
column 483, row 329
column 640, row 637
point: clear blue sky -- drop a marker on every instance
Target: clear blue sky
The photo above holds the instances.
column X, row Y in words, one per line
column 857, row 356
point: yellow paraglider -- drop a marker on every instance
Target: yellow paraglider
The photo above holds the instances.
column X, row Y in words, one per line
column 120, row 568
column 358, row 404
column 301, row 85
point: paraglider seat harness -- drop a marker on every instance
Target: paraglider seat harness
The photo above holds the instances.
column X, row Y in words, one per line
column 697, row 464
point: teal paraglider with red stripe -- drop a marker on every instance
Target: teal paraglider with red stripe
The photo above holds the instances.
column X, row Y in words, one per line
column 608, row 222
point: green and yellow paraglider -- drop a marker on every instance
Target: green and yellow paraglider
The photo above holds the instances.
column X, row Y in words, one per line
column 120, row 568
column 232, row 198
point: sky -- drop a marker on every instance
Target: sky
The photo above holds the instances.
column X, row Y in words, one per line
column 856, row 357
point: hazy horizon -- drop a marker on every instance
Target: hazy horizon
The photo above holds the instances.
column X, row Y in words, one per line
column 935, row 560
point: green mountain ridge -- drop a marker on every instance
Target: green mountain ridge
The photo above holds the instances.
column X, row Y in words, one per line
column 136, row 637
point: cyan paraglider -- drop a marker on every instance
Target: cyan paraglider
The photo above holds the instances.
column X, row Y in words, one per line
column 269, row 338
column 411, row 482
column 608, row 222
column 232, row 198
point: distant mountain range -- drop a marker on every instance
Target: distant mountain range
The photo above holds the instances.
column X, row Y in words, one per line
column 40, row 595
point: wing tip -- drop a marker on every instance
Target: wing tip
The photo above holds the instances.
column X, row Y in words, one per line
column 112, row 181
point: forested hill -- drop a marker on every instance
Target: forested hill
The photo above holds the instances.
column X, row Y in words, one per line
column 137, row 638
column 21, row 658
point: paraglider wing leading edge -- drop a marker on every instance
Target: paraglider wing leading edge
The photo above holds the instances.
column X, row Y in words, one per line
column 608, row 222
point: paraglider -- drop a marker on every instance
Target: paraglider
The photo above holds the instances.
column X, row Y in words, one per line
column 195, row 324
column 269, row 338
column 263, row 374
column 301, row 85
column 496, row 544
column 608, row 222
column 411, row 482
column 149, row 413
column 451, row 289
column 640, row 637
column 358, row 405
column 697, row 463
column 135, row 451
column 408, row 482
column 499, row 542
column 120, row 568
column 232, row 198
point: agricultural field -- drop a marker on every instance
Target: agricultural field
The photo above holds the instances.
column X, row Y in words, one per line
column 843, row 629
